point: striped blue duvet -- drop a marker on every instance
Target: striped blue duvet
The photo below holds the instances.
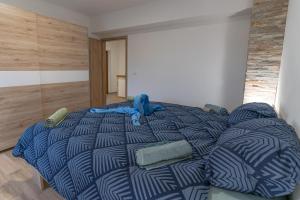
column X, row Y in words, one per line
column 91, row 156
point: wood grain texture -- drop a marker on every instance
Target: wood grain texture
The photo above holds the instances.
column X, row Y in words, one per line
column 96, row 71
column 74, row 96
column 29, row 41
column 22, row 106
column 265, row 50
column 32, row 42
column 104, row 60
column 62, row 46
column 18, row 39
column 19, row 108
column 18, row 181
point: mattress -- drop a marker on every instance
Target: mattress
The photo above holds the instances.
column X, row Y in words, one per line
column 92, row 156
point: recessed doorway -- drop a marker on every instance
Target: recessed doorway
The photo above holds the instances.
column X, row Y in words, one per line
column 116, row 70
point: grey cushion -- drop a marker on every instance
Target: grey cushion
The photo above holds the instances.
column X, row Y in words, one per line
column 220, row 194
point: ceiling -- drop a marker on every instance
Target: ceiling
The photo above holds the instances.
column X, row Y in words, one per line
column 96, row 7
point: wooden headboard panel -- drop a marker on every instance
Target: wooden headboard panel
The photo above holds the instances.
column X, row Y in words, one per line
column 44, row 65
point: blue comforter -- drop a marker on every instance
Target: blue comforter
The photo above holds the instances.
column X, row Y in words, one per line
column 258, row 156
column 91, row 156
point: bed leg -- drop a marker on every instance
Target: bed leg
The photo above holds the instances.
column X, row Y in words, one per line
column 40, row 181
column 43, row 184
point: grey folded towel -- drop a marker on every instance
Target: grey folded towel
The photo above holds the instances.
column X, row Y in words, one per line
column 56, row 118
column 163, row 154
column 164, row 163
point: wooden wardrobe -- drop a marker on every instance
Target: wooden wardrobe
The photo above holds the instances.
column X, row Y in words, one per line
column 31, row 44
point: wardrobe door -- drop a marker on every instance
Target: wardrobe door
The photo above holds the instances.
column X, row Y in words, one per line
column 20, row 92
column 19, row 108
column 44, row 65
column 62, row 45
column 64, row 64
column 18, row 35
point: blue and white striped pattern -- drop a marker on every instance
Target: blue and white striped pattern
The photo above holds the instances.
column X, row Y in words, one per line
column 259, row 156
column 251, row 111
column 91, row 156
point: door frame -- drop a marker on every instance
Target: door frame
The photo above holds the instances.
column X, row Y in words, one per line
column 105, row 64
column 95, row 73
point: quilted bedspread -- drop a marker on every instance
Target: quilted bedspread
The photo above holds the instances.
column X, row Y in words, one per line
column 92, row 156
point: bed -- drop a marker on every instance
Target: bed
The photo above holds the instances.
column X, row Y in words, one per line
column 91, row 156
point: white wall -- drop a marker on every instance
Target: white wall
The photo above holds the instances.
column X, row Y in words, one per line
column 158, row 11
column 116, row 63
column 288, row 97
column 191, row 66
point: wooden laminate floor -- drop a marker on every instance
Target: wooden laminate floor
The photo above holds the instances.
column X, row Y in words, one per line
column 113, row 98
column 18, row 181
